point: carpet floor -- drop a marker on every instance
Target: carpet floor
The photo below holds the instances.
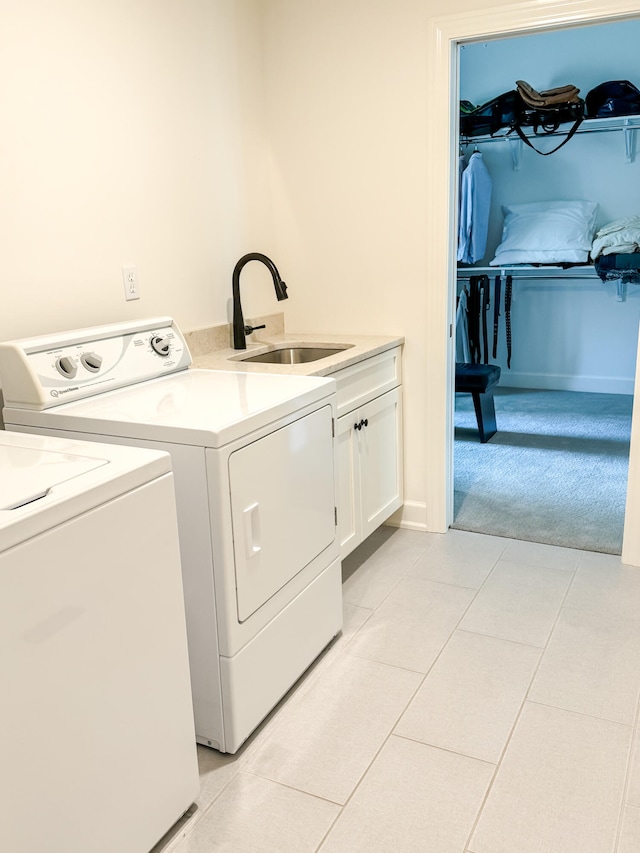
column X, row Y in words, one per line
column 555, row 472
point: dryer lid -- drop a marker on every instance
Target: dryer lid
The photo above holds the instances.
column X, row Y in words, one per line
column 206, row 408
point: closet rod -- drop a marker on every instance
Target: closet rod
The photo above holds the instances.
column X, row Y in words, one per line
column 627, row 124
column 507, row 137
column 587, row 126
column 539, row 272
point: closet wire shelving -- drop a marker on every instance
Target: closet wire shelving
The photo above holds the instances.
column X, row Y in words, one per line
column 585, row 272
column 546, row 273
column 627, row 124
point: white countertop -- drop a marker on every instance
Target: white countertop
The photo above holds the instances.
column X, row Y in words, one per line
column 363, row 346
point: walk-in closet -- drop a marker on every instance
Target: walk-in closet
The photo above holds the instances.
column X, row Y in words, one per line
column 556, row 469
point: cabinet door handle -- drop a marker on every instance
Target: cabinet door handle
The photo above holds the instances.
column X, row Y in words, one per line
column 357, row 426
column 365, row 422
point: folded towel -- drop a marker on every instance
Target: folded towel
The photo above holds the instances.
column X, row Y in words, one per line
column 619, row 225
column 622, row 241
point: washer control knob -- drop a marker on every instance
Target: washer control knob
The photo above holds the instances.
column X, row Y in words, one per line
column 92, row 361
column 160, row 344
column 66, row 366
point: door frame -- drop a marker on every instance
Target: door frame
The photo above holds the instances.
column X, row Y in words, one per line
column 444, row 36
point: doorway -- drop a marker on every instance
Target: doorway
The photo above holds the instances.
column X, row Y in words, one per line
column 564, row 399
column 445, row 34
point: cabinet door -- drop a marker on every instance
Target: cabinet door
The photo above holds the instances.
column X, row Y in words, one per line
column 349, row 526
column 380, row 447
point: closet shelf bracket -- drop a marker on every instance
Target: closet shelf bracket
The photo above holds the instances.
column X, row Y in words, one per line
column 629, row 136
column 515, row 146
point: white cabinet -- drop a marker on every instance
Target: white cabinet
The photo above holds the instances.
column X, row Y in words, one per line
column 369, row 446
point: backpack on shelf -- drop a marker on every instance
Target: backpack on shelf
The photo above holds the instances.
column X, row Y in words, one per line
column 615, row 98
column 546, row 111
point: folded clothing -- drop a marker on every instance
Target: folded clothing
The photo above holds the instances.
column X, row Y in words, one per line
column 619, row 242
column 622, row 236
column 619, row 225
column 543, row 100
column 619, row 266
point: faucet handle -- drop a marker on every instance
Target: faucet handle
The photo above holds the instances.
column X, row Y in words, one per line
column 249, row 329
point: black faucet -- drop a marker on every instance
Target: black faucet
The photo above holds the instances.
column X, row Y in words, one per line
column 239, row 329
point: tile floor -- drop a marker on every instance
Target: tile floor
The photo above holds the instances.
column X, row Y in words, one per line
column 482, row 698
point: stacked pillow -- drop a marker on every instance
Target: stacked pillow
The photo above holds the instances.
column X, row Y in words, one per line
column 546, row 232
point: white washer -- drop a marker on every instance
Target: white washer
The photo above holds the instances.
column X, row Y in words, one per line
column 253, row 458
column 97, row 746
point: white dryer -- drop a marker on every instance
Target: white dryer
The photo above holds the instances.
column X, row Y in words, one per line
column 253, row 458
column 97, row 746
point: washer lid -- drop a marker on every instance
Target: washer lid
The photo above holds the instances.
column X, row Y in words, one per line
column 29, row 474
column 46, row 481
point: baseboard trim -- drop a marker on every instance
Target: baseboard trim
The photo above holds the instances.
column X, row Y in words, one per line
column 412, row 515
column 565, row 382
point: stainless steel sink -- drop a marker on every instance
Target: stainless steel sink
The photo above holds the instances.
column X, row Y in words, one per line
column 294, row 355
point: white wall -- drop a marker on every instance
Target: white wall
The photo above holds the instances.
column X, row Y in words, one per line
column 347, row 121
column 132, row 133
column 569, row 334
column 348, row 117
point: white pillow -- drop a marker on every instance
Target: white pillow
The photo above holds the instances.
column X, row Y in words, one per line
column 546, row 232
column 526, row 256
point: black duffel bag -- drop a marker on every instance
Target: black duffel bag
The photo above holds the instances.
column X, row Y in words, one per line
column 524, row 108
column 499, row 113
column 548, row 120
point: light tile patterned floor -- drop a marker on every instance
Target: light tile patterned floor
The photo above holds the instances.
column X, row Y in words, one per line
column 482, row 698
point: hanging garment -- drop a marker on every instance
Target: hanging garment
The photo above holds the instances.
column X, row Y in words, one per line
column 475, row 201
column 462, row 165
column 463, row 352
column 473, row 312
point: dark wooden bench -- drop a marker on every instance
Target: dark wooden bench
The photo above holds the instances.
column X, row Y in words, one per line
column 479, row 381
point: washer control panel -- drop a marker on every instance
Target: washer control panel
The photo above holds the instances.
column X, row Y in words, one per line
column 161, row 344
column 38, row 373
column 66, row 366
column 92, row 361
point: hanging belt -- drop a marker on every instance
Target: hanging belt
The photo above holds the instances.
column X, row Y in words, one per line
column 507, row 316
column 496, row 314
column 484, row 307
column 474, row 318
